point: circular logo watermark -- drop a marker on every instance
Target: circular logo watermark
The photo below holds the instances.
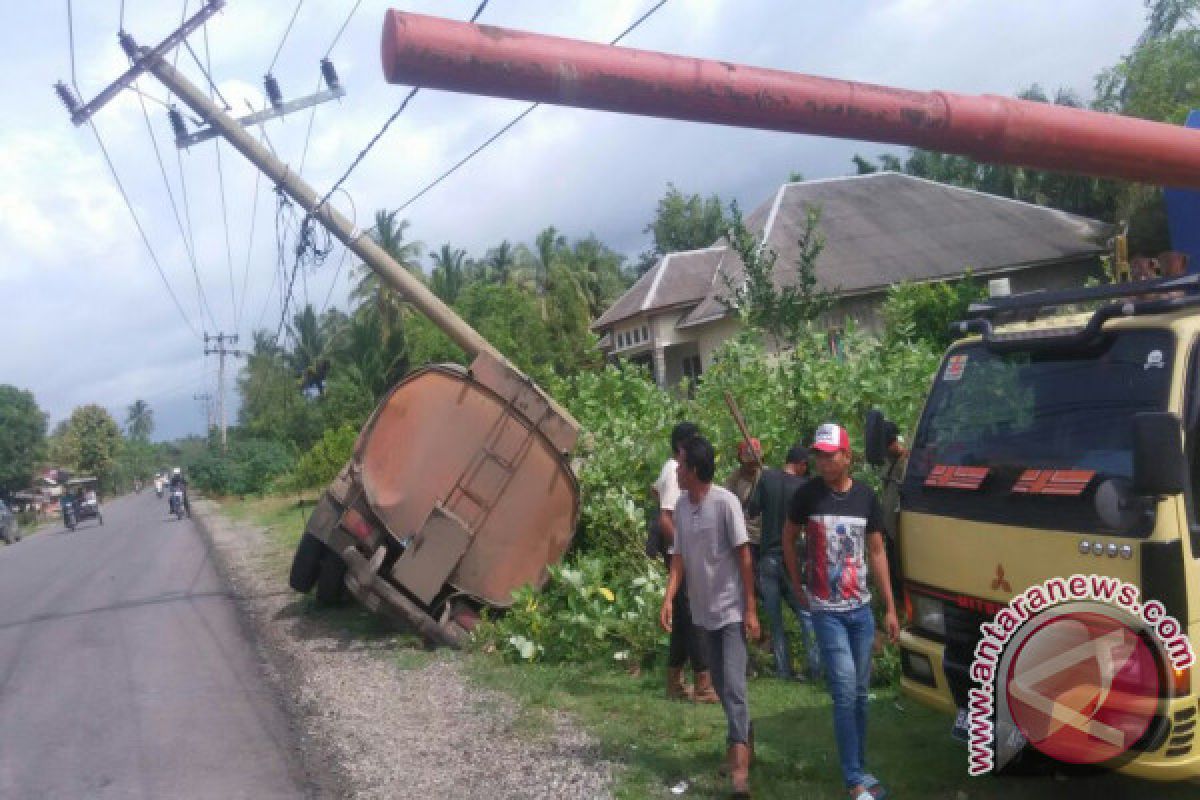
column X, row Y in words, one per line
column 1083, row 686
column 1077, row 667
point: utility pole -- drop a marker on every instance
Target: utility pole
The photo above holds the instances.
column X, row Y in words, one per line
column 221, row 351
column 206, row 398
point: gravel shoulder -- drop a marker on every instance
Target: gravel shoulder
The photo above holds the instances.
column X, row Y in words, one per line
column 378, row 718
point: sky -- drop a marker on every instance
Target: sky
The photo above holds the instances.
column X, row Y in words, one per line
column 87, row 318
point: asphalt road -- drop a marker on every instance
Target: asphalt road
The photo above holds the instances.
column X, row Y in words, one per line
column 126, row 673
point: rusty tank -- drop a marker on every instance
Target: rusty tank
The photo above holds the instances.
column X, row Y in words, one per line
column 459, row 491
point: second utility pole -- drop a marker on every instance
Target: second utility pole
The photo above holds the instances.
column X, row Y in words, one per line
column 221, row 339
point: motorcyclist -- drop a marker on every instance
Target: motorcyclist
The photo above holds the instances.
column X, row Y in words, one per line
column 178, row 481
column 158, row 483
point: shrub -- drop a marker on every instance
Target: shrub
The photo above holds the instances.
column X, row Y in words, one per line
column 322, row 462
column 592, row 610
column 248, row 466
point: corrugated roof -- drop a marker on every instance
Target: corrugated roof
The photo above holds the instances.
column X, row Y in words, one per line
column 677, row 279
column 886, row 228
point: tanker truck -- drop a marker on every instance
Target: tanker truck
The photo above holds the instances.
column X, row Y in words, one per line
column 1061, row 435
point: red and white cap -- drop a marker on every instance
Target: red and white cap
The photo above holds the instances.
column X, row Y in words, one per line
column 831, row 438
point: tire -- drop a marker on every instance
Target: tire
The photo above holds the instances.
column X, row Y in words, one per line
column 331, row 582
column 306, row 563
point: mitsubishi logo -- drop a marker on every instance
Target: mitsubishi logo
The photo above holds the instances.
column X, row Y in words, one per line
column 1000, row 582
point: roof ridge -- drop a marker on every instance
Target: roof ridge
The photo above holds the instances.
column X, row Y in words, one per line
column 653, row 290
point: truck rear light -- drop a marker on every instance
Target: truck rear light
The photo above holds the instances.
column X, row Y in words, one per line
column 357, row 526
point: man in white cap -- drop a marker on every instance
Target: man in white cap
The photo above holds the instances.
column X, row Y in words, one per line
column 843, row 524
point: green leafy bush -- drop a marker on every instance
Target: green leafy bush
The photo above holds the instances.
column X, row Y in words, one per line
column 248, row 467
column 591, row 610
column 322, row 462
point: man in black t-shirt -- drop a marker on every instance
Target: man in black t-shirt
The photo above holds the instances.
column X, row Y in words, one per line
column 771, row 499
column 843, row 523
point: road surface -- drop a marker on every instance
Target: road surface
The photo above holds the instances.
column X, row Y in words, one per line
column 125, row 671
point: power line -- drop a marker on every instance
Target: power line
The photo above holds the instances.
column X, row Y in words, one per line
column 71, row 43
column 137, row 222
column 286, row 31
column 305, row 238
column 342, row 29
column 221, row 184
column 203, row 300
column 511, row 123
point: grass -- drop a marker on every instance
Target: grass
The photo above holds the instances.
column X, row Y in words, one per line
column 659, row 743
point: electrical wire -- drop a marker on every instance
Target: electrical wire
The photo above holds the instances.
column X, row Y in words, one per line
column 71, row 43
column 337, row 273
column 233, row 304
column 511, row 123
column 306, row 243
column 212, row 87
column 286, row 32
column 142, row 231
column 342, row 29
column 201, row 297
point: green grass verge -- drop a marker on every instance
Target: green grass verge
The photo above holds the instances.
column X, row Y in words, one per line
column 659, row 742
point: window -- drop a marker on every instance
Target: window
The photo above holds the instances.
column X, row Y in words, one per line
column 645, row 334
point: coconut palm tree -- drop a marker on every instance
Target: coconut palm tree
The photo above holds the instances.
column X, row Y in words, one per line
column 139, row 421
column 388, row 233
column 449, row 274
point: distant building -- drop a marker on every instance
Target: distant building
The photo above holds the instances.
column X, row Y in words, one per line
column 880, row 229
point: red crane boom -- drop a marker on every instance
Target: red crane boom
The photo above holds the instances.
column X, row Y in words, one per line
column 483, row 59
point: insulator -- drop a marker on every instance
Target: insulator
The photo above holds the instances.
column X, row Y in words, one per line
column 67, row 96
column 128, row 45
column 273, row 92
column 177, row 124
column 330, row 74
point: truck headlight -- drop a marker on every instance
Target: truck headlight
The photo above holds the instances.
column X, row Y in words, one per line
column 928, row 614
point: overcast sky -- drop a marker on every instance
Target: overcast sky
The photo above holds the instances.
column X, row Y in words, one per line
column 86, row 317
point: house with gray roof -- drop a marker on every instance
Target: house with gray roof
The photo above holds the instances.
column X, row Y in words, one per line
column 879, row 229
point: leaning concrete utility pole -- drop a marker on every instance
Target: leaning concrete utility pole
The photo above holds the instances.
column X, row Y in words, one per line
column 345, row 231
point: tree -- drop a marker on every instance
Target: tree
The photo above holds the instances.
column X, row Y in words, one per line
column 94, row 439
column 449, row 273
column 922, row 312
column 780, row 309
column 22, row 437
column 500, row 263
column 309, row 357
column 388, row 233
column 683, row 222
column 139, row 421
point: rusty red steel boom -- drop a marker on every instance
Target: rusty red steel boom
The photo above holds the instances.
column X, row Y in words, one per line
column 446, row 54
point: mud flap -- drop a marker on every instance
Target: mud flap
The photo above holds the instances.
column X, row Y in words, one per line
column 433, row 554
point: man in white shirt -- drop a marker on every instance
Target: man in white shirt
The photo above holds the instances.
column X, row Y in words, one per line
column 687, row 641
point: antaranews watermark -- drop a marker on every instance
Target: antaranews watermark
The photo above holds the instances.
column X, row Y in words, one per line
column 1074, row 666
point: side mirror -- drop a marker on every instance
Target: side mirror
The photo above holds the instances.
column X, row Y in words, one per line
column 1159, row 466
column 875, row 434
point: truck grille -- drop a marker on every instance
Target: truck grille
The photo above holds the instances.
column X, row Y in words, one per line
column 962, row 634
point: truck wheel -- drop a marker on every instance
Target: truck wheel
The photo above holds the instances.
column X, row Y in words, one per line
column 306, row 563
column 331, row 583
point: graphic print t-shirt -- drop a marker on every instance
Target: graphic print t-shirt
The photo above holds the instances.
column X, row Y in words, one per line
column 836, row 526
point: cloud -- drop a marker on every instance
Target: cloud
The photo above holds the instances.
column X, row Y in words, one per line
column 82, row 277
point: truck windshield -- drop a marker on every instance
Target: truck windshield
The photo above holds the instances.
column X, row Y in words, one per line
column 1037, row 410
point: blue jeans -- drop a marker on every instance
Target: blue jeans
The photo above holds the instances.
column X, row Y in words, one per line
column 776, row 587
column 846, row 639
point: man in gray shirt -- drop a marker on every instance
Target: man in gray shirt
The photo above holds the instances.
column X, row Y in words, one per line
column 711, row 550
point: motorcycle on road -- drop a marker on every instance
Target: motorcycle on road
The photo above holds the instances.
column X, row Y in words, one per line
column 178, row 504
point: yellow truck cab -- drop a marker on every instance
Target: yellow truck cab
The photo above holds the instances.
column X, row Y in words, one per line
column 1033, row 460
